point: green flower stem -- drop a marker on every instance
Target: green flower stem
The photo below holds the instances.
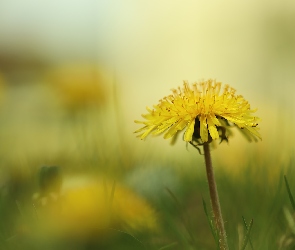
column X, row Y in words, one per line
column 215, row 199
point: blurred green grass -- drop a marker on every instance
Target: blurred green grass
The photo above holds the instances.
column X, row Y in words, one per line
column 182, row 220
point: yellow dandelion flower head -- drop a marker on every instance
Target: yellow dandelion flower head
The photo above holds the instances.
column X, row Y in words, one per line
column 204, row 109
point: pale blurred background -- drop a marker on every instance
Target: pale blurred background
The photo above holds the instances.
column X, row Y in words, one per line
column 74, row 75
column 147, row 48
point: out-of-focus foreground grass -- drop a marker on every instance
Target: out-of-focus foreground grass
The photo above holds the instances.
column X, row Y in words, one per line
column 71, row 177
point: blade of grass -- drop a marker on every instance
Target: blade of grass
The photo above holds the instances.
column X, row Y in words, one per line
column 212, row 227
column 289, row 193
column 106, row 193
column 128, row 235
column 19, row 208
column 168, row 246
column 247, row 237
column 112, row 195
column 290, row 219
column 246, row 226
column 109, row 198
column 185, row 221
column 110, row 202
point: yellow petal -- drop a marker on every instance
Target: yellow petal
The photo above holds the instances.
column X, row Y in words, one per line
column 212, row 127
column 253, row 130
column 176, row 127
column 189, row 131
column 147, row 132
column 166, row 124
column 203, row 128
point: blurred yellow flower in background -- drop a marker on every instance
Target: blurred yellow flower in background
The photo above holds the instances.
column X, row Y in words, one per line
column 203, row 110
column 133, row 211
column 79, row 85
column 87, row 206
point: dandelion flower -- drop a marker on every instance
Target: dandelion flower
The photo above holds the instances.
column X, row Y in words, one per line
column 205, row 112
